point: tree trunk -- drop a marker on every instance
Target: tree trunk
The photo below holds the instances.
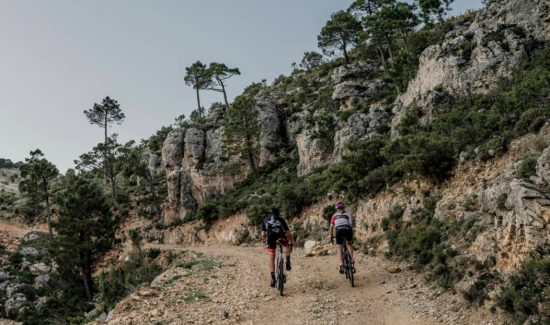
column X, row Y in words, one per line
column 389, row 45
column 113, row 196
column 50, row 232
column 345, row 53
column 105, row 154
column 199, row 103
column 383, row 59
column 87, row 283
column 35, row 199
column 405, row 41
column 224, row 95
column 252, row 164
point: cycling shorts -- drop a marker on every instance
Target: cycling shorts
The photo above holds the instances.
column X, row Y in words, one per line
column 343, row 232
column 272, row 239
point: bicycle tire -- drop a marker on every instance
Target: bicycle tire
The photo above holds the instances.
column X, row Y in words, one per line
column 350, row 271
column 281, row 276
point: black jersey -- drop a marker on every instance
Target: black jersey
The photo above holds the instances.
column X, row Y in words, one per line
column 274, row 225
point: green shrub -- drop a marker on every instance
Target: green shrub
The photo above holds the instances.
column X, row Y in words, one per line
column 208, row 213
column 257, row 213
column 328, row 211
column 153, row 253
column 527, row 168
column 466, row 50
column 526, row 293
column 531, row 121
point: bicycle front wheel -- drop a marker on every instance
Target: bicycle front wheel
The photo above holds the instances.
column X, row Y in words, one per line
column 281, row 277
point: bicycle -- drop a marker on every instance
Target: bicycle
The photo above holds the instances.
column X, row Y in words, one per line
column 281, row 275
column 349, row 266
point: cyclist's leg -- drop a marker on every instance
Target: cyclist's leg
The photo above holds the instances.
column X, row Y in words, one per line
column 271, row 245
column 349, row 242
column 340, row 249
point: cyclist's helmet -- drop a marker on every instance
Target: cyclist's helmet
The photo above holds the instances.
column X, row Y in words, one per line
column 340, row 205
column 273, row 212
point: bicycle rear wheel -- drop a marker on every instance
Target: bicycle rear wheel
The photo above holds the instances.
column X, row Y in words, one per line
column 349, row 270
column 281, row 275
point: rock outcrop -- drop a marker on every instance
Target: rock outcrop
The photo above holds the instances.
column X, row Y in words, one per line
column 473, row 58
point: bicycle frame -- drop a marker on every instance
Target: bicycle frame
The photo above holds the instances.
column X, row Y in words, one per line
column 280, row 271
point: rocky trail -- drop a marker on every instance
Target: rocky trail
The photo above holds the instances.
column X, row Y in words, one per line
column 229, row 285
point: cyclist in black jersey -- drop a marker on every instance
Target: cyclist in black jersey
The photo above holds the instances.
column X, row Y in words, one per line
column 275, row 228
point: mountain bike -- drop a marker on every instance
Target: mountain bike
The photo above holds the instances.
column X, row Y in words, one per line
column 349, row 266
column 280, row 265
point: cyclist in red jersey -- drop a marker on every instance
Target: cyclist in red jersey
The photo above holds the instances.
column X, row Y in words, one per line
column 341, row 221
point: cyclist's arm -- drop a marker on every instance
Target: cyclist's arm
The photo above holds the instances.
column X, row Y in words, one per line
column 331, row 230
column 290, row 238
column 264, row 235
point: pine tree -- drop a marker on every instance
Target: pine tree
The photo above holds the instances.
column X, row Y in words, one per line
column 85, row 228
column 106, row 157
column 46, row 172
column 241, row 127
column 197, row 77
column 105, row 114
column 218, row 73
column 311, row 60
column 29, row 183
column 341, row 31
column 437, row 8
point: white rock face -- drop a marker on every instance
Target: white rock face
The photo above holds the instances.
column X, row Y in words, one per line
column 312, row 152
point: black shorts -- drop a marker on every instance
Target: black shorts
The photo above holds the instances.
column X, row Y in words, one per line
column 343, row 232
column 272, row 239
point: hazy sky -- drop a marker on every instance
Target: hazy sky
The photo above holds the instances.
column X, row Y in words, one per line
column 59, row 57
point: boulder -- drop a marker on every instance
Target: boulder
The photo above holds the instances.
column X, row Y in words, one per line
column 354, row 93
column 346, row 72
column 12, row 288
column 29, row 238
column 40, row 268
column 308, row 247
column 3, row 276
column 13, row 305
column 30, row 251
column 543, row 165
column 41, row 281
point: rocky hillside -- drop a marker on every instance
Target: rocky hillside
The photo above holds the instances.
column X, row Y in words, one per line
column 442, row 155
column 9, row 176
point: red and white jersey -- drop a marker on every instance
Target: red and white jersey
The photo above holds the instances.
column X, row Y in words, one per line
column 339, row 220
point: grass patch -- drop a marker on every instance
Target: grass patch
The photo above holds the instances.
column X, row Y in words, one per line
column 194, row 295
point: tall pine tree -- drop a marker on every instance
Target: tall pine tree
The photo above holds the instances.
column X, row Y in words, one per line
column 85, row 228
column 341, row 31
column 241, row 127
column 219, row 73
column 197, row 77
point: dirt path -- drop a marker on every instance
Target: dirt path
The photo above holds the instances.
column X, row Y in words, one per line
column 11, row 233
column 315, row 292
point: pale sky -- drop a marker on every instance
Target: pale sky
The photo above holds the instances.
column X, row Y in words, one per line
column 59, row 57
